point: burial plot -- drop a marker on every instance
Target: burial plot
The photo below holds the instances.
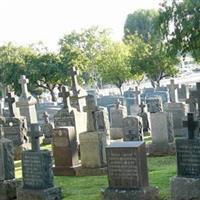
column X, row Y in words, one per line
column 47, row 129
column 117, row 115
column 37, row 174
column 185, row 186
column 26, row 102
column 132, row 128
column 128, row 173
column 8, row 184
column 92, row 144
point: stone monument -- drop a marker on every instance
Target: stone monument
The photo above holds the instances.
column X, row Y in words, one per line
column 47, row 129
column 173, row 92
column 37, row 174
column 154, row 104
column 128, row 173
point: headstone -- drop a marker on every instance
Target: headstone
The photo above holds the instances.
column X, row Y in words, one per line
column 8, row 183
column 47, row 129
column 117, row 115
column 192, row 104
column 173, row 91
column 65, row 151
column 185, row 186
column 154, row 104
column 196, row 95
column 183, row 93
column 37, row 174
column 128, row 173
column 92, row 143
column 132, row 128
column 26, row 102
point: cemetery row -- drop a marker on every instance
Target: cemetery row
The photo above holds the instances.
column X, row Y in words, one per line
column 91, row 140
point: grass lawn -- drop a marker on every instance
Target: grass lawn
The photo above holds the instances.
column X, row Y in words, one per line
column 161, row 169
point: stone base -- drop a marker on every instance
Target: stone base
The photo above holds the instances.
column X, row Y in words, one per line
column 91, row 171
column 8, row 189
column 47, row 141
column 65, row 171
column 147, row 193
column 161, row 150
column 185, row 188
column 19, row 149
column 116, row 133
column 46, row 194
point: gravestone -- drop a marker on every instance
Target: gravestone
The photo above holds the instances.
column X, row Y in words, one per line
column 173, row 91
column 130, row 99
column 8, row 183
column 117, row 115
column 26, row 102
column 78, row 99
column 128, row 173
column 183, row 93
column 65, row 151
column 154, row 104
column 92, row 143
column 192, row 102
column 162, row 134
column 135, row 107
column 47, row 129
column 37, row 174
column 196, row 95
column 185, row 186
column 132, row 128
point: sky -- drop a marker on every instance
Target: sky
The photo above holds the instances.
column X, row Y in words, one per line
column 30, row 21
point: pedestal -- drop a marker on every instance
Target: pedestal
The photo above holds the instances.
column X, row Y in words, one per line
column 53, row 193
column 146, row 193
column 8, row 189
column 185, row 188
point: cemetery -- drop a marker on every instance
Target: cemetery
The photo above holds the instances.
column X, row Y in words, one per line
column 101, row 119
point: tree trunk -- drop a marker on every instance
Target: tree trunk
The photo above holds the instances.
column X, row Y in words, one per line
column 153, row 84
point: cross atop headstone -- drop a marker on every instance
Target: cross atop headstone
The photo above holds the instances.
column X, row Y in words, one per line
column 46, row 117
column 173, row 90
column 191, row 124
column 35, row 135
column 24, row 81
column 75, row 85
column 91, row 108
column 142, row 106
column 10, row 100
column 196, row 95
column 65, row 94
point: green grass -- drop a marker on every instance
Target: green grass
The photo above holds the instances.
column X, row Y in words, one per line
column 161, row 169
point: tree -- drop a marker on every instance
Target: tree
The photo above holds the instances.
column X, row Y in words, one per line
column 151, row 58
column 180, row 23
column 89, row 43
column 141, row 22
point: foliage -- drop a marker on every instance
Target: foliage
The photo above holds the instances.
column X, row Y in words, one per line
column 180, row 23
column 143, row 23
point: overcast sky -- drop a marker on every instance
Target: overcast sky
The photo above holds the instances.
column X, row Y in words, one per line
column 30, row 21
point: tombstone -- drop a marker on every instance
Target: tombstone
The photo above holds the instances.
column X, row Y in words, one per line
column 192, row 102
column 92, row 144
column 162, row 134
column 47, row 129
column 65, row 151
column 154, row 104
column 26, row 102
column 78, row 99
column 173, row 91
column 130, row 99
column 1, row 106
column 196, row 95
column 37, row 174
column 183, row 93
column 132, row 128
column 117, row 115
column 8, row 183
column 128, row 172
column 185, row 186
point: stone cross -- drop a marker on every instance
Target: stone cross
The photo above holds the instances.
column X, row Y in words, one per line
column 46, row 117
column 24, row 81
column 191, row 124
column 91, row 108
column 11, row 100
column 142, row 106
column 35, row 137
column 192, row 103
column 137, row 95
column 65, row 94
column 196, row 95
column 173, row 91
column 75, row 86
